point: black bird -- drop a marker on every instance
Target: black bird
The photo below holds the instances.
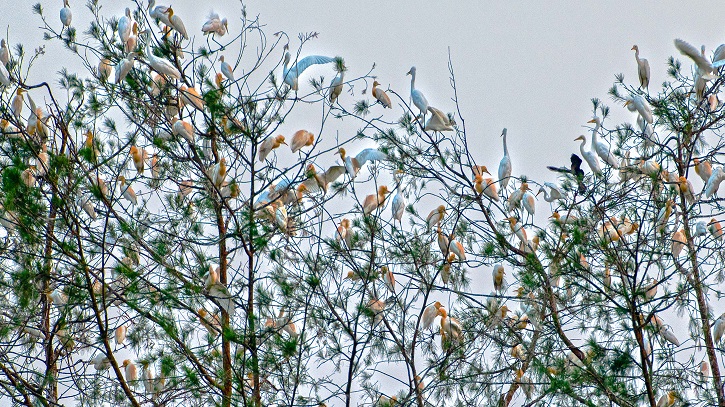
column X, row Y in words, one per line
column 576, row 170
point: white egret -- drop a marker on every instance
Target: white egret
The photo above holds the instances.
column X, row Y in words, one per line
column 600, row 147
column 713, row 183
column 126, row 191
column 159, row 12
column 515, row 198
column 291, row 74
column 319, row 181
column 381, row 96
column 218, row 172
column 214, row 25
column 715, row 229
column 438, row 121
column 125, row 26
column 17, row 103
column 664, row 215
column 435, row 217
column 498, row 277
column 489, row 189
column 124, row 66
column 4, row 53
column 398, row 205
column 353, row 164
column 160, row 65
column 697, row 57
column 66, row 16
column 678, row 242
column 176, row 23
column 718, row 329
column 589, row 156
column 137, row 156
column 642, row 68
column 639, row 104
column 417, row 96
column 4, row 76
column 552, row 196
column 130, row 371
column 429, row 314
column 504, row 168
column 183, row 129
column 529, row 202
column 226, row 69
column 336, row 84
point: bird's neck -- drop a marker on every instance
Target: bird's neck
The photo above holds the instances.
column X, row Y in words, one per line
column 412, row 82
column 505, row 148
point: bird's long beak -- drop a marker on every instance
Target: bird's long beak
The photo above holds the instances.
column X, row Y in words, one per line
column 537, row 194
column 284, row 142
column 627, row 103
column 633, row 48
column 592, row 121
column 408, row 73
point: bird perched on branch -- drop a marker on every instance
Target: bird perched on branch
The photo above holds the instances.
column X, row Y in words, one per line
column 575, row 170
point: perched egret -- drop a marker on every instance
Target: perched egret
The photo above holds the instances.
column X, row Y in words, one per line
column 518, row 230
column 397, row 207
column 381, row 96
column 120, row 334
column 137, row 156
column 514, row 200
column 344, row 233
column 451, row 329
column 104, row 69
column 183, row 129
column 159, row 13
column 438, row 121
column 563, row 220
column 498, row 277
column 639, row 104
column 4, row 76
column 435, row 217
column 127, row 192
column 417, row 96
column 552, row 196
column 176, row 23
column 686, row 189
column 715, row 229
column 336, row 84
column 218, row 172
column 291, row 74
column 664, row 215
column 214, row 25
column 600, row 147
column 489, row 189
column 703, row 169
column 161, row 65
column 125, row 26
column 372, row 202
column 589, row 156
column 124, row 66
column 504, row 168
column 4, row 53
column 101, row 362
column 66, row 16
column 529, row 202
column 678, row 242
column 713, row 183
column 642, row 68
column 301, row 138
column 226, row 69
column 191, row 96
column 269, row 144
column 718, row 329
column 353, row 164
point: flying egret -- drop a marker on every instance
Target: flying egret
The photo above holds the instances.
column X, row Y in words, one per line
column 600, row 147
column 417, row 96
column 438, row 121
column 703, row 64
column 381, row 96
column 291, row 74
column 642, row 68
column 301, row 138
column 353, row 164
column 319, row 181
column 504, row 168
column 589, row 156
column 66, row 16
column 176, row 23
column 269, row 144
column 214, row 25
column 373, row 201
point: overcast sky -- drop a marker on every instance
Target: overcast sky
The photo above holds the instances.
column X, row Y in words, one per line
column 529, row 66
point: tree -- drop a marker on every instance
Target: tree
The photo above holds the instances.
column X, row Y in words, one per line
column 164, row 247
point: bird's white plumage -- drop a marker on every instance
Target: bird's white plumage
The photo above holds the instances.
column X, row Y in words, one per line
column 292, row 73
column 4, row 76
column 124, row 66
column 215, row 25
column 161, row 65
column 504, row 167
column 159, row 12
column 693, row 53
column 398, row 206
column 66, row 16
column 417, row 96
column 601, row 148
column 125, row 25
column 590, row 157
column 639, row 104
column 438, row 121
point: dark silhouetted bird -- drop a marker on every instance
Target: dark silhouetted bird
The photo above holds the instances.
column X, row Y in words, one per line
column 575, row 169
